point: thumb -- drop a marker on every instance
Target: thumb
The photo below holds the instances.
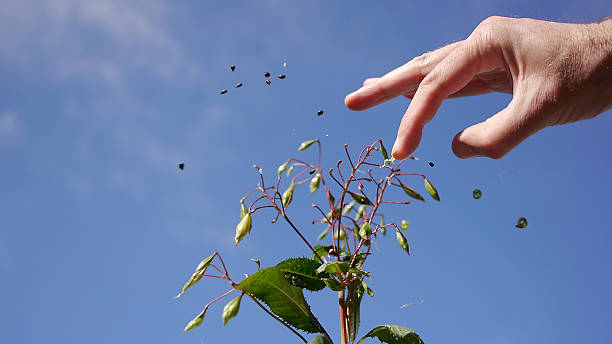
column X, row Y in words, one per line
column 499, row 134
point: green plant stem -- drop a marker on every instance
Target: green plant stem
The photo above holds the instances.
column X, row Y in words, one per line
column 342, row 304
column 276, row 318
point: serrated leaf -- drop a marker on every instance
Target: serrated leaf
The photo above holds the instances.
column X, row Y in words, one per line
column 306, row 144
column 282, row 167
column 393, row 334
column 411, row 192
column 231, row 309
column 323, row 234
column 197, row 275
column 314, row 183
column 243, row 228
column 432, row 190
column 360, row 198
column 320, row 339
column 286, row 301
column 197, row 321
column 521, row 223
column 333, row 267
column 333, row 284
column 383, row 151
column 302, row 273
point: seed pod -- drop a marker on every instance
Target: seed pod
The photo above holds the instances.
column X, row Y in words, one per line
column 360, row 198
column 197, row 321
column 365, row 230
column 282, row 167
column 341, row 234
column 197, row 275
column 267, row 75
column 383, row 151
column 290, row 170
column 367, row 288
column 323, row 234
column 320, row 112
column 477, row 194
column 347, row 208
column 268, row 82
column 360, row 212
column 238, row 85
column 243, row 228
column 231, row 309
column 306, row 144
column 405, row 225
column 522, row 223
column 232, row 67
column 314, row 183
column 401, row 239
column 288, row 195
column 411, row 192
column 243, row 210
column 223, row 91
column 431, row 189
column 282, row 76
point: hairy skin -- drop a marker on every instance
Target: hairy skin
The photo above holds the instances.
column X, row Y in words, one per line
column 557, row 73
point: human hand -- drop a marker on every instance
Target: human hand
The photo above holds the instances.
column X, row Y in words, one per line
column 557, row 73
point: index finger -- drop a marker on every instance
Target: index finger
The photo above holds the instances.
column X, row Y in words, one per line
column 404, row 79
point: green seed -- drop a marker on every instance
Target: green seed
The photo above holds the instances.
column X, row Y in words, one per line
column 522, row 223
column 477, row 194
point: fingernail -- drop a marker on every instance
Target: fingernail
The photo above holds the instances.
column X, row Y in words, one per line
column 395, row 148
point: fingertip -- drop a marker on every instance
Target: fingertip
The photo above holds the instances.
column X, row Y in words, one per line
column 406, row 143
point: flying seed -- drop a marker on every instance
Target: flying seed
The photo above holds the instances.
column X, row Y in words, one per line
column 267, row 75
column 268, row 82
column 238, row 85
column 232, row 67
column 319, row 113
column 281, row 76
column 223, row 91
column 285, row 64
column 312, row 171
column 431, row 164
column 182, row 166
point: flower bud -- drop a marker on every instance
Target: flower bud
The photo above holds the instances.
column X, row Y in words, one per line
column 243, row 228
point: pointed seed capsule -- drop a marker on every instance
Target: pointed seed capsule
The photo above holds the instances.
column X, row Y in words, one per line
column 431, row 189
column 367, row 288
column 197, row 275
column 290, row 170
column 365, row 230
column 243, row 228
column 231, row 309
column 411, row 192
column 360, row 212
column 282, row 167
column 360, row 198
column 243, row 210
column 323, row 234
column 405, row 225
column 197, row 321
column 401, row 239
column 306, row 144
column 238, row 85
column 223, row 91
column 282, row 76
column 340, row 234
column 476, row 194
column 347, row 208
column 288, row 195
column 383, row 151
column 314, row 183
column 522, row 223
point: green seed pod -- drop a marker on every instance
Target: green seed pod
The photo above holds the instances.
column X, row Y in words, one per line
column 367, row 288
column 341, row 235
column 290, row 170
column 314, row 183
column 243, row 210
column 197, row 321
column 360, row 212
column 412, row 192
column 360, row 198
column 432, row 190
column 288, row 195
column 401, row 239
column 405, row 225
column 522, row 223
column 283, row 167
column 306, row 144
column 477, row 194
column 243, row 228
column 365, row 230
column 323, row 234
column 197, row 275
column 383, row 151
column 347, row 208
column 231, row 309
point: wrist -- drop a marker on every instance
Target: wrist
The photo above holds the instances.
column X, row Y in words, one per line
column 597, row 53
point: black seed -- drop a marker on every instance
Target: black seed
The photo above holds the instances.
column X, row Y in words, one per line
column 320, row 112
column 232, row 67
column 182, row 166
column 223, row 91
column 431, row 164
column 268, row 82
column 281, row 76
column 312, row 171
column 267, row 75
column 238, row 85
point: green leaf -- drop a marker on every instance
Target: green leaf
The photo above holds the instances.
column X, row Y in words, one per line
column 411, row 192
column 286, row 301
column 302, row 273
column 432, row 190
column 333, row 284
column 323, row 235
column 367, row 288
column 353, row 308
column 360, row 198
column 197, row 321
column 476, row 194
column 393, row 334
column 359, row 272
column 197, row 275
column 243, row 228
column 333, row 267
column 314, row 183
column 231, row 309
column 522, row 223
column 282, row 167
column 243, row 210
column 307, row 144
column 288, row 195
column 320, row 339
column 383, row 151
column 405, row 225
column 401, row 239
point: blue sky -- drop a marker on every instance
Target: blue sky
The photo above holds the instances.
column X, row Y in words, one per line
column 100, row 100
